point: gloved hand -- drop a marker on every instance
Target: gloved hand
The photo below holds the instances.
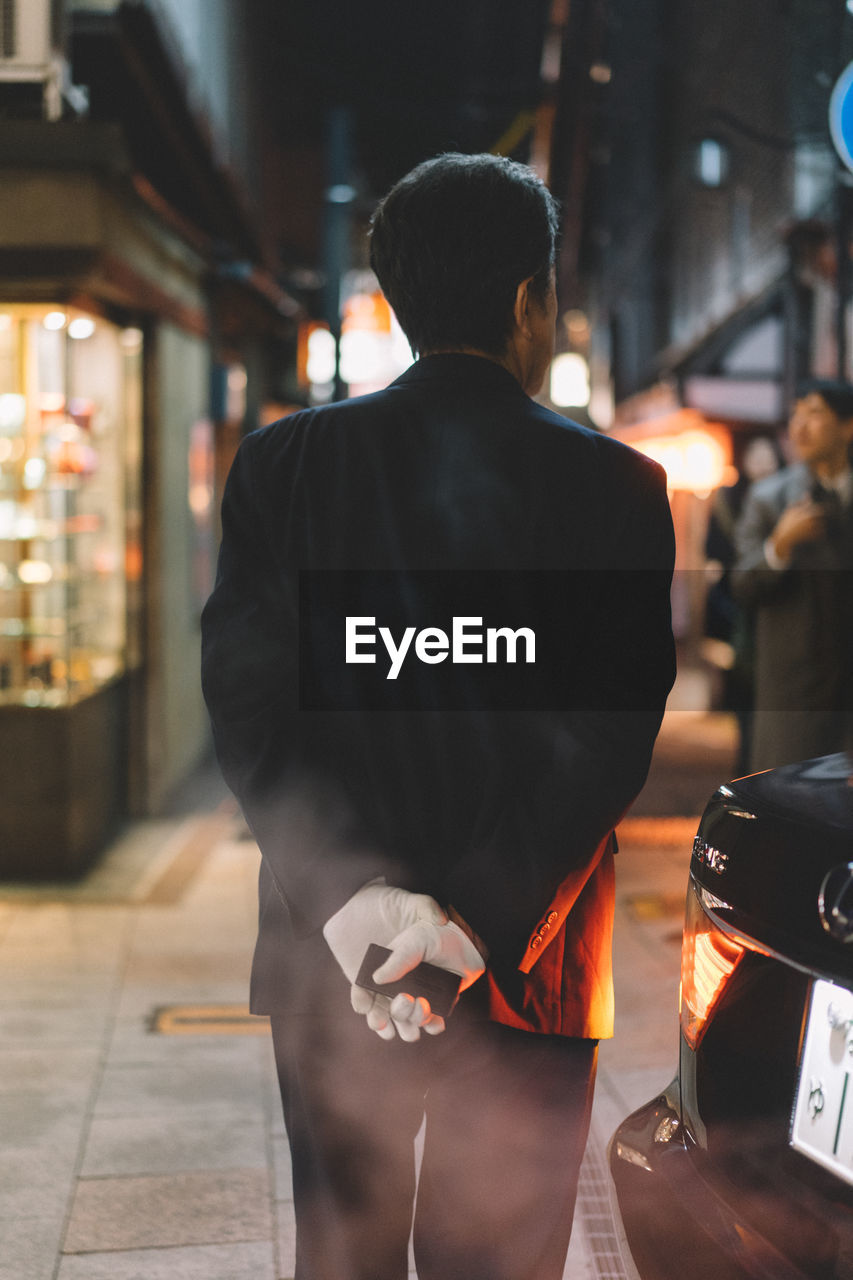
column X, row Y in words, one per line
column 415, row 928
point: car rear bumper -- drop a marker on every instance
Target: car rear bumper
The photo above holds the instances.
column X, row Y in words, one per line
column 675, row 1221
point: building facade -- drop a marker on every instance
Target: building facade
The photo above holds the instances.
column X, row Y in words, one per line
column 140, row 325
column 708, row 228
column 711, row 214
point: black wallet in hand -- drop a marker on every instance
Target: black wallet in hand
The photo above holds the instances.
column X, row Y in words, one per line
column 439, row 986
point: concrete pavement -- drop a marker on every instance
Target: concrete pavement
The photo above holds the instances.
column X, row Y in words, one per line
column 138, row 1107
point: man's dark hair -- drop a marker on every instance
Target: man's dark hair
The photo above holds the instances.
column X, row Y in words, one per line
column 837, row 394
column 452, row 241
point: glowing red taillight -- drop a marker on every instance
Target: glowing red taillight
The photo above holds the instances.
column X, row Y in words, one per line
column 709, row 957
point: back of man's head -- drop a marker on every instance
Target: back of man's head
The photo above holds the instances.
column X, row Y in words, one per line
column 452, row 241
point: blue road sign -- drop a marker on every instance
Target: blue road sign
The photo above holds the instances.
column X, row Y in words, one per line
column 841, row 116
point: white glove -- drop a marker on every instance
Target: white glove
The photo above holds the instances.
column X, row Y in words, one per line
column 415, row 928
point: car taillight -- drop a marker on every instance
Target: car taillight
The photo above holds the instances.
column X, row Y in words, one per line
column 709, row 957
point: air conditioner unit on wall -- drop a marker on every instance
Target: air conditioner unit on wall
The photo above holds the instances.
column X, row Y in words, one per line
column 31, row 50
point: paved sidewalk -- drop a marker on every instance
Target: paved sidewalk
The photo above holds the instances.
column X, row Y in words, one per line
column 138, row 1106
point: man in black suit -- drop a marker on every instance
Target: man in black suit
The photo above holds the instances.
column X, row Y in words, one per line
column 436, row 659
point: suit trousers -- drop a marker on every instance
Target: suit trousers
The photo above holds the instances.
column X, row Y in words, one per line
column 507, row 1116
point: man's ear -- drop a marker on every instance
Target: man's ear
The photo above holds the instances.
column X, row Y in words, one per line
column 521, row 310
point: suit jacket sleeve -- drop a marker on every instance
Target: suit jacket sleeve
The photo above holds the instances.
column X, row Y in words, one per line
column 309, row 836
column 752, row 579
column 589, row 762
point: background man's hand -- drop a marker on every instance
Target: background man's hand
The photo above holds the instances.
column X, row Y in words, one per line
column 414, row 927
column 802, row 522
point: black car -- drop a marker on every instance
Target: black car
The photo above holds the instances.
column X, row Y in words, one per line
column 743, row 1167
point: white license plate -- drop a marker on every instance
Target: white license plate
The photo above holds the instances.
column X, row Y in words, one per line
column 823, row 1116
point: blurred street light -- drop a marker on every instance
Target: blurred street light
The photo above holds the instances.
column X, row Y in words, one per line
column 694, row 460
column 569, row 380
column 711, row 162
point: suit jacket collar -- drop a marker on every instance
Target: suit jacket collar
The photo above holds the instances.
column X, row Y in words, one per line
column 800, row 481
column 458, row 366
column 841, row 486
column 797, row 482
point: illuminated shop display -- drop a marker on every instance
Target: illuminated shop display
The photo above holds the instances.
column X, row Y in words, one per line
column 70, row 519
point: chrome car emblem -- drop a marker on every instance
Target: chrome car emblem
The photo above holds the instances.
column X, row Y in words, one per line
column 835, row 902
column 711, row 857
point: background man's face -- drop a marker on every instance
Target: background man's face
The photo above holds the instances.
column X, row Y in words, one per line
column 817, row 434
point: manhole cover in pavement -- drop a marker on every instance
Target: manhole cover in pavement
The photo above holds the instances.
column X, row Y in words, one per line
column 207, row 1020
column 655, row 906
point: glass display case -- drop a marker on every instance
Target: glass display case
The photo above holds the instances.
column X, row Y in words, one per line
column 70, row 582
column 70, row 563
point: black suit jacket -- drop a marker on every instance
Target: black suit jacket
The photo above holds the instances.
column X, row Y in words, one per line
column 494, row 789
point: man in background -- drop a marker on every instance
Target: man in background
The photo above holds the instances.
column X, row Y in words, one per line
column 793, row 569
column 455, row 810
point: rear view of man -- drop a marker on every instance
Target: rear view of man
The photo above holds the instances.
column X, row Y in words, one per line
column 436, row 659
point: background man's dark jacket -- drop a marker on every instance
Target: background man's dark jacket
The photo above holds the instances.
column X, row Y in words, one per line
column 494, row 789
column 803, row 625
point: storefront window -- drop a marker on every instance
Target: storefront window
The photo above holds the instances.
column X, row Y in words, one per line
column 70, row 545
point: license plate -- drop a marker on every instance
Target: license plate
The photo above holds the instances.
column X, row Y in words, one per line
column 823, row 1115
